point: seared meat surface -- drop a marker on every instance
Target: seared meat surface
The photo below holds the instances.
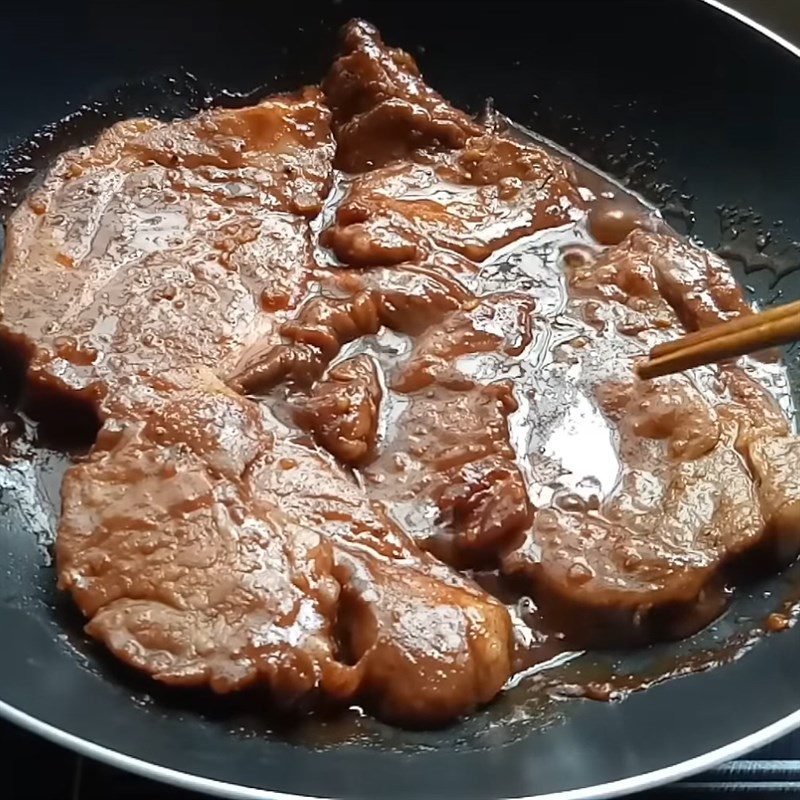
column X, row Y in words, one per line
column 165, row 246
column 208, row 548
column 382, row 108
column 646, row 550
column 450, row 457
column 342, row 411
column 456, row 201
column 345, row 346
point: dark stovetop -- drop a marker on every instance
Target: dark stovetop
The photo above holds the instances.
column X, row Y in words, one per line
column 39, row 770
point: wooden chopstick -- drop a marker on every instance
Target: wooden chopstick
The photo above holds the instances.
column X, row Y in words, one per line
column 738, row 337
column 740, row 323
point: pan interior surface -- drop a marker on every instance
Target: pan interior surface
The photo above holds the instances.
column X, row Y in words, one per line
column 681, row 102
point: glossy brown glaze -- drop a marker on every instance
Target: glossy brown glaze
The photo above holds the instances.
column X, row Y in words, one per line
column 382, row 108
column 351, row 348
column 648, row 552
column 472, row 202
column 447, row 468
column 342, row 411
column 164, row 246
column 208, row 548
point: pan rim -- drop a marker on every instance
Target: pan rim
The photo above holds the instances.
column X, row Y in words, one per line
column 184, row 780
column 648, row 780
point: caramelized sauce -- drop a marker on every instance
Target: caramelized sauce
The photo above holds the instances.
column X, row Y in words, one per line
column 556, row 417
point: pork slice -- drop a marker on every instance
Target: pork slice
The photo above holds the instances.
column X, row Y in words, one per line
column 775, row 461
column 697, row 284
column 446, row 468
column 342, row 411
column 644, row 562
column 767, row 443
column 448, row 448
column 646, row 549
column 351, row 305
column 430, row 177
column 431, row 644
column 164, row 245
column 382, row 108
column 207, row 549
column 471, row 201
column 182, row 573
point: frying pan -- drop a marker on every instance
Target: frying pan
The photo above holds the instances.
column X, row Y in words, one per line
column 691, row 106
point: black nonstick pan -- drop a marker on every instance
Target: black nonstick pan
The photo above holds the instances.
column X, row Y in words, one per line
column 690, row 106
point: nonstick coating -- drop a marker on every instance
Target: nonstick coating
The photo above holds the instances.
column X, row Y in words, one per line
column 721, row 102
